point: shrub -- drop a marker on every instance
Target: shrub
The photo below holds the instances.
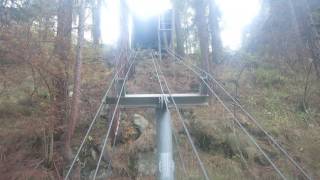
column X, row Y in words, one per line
column 269, row 77
column 23, row 107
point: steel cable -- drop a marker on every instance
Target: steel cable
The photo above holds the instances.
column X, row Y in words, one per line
column 102, row 104
column 174, row 132
column 241, row 126
column 247, row 114
column 116, row 133
column 203, row 169
column 112, row 119
column 112, row 149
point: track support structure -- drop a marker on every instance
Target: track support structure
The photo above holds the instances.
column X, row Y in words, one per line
column 165, row 166
column 161, row 103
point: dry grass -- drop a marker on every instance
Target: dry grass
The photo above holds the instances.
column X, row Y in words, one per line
column 275, row 107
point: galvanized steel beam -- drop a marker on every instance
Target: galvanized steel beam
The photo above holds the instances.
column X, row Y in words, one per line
column 153, row 100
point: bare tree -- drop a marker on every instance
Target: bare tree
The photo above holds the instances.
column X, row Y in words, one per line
column 216, row 43
column 62, row 51
column 61, row 66
column 96, row 21
column 200, row 7
column 178, row 28
column 305, row 25
column 75, row 107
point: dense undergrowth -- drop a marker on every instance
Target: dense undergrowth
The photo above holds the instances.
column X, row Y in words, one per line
column 277, row 98
column 285, row 102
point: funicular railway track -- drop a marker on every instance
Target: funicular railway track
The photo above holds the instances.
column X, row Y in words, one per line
column 168, row 97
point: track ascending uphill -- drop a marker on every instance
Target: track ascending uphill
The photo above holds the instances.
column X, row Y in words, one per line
column 152, row 76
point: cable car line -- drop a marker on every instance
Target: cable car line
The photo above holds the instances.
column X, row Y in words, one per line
column 174, row 132
column 198, row 71
column 117, row 128
column 101, row 106
column 203, row 169
column 246, row 113
column 113, row 117
column 240, row 125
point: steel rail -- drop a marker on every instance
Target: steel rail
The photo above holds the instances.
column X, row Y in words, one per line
column 242, row 127
column 174, row 132
column 274, row 141
column 202, row 167
column 117, row 129
column 102, row 104
column 112, row 119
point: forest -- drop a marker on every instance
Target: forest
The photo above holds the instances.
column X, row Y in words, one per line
column 168, row 98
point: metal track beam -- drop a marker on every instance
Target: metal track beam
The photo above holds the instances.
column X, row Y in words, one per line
column 153, row 100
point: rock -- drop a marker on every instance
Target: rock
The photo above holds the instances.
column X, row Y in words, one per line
column 205, row 139
column 146, row 164
column 142, row 151
column 127, row 132
column 140, row 122
column 146, row 142
column 89, row 157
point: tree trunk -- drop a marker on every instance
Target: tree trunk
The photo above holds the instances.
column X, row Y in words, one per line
column 62, row 51
column 202, row 26
column 178, row 30
column 75, row 107
column 60, row 74
column 96, row 21
column 216, row 44
column 123, row 49
column 302, row 13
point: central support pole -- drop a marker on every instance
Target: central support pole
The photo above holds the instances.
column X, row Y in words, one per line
column 165, row 166
column 161, row 103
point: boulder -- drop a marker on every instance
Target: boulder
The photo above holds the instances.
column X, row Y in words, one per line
column 146, row 164
column 140, row 122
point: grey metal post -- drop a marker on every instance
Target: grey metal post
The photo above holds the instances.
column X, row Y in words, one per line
column 165, row 166
column 161, row 103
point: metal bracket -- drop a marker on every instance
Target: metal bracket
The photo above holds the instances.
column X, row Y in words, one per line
column 203, row 86
column 163, row 101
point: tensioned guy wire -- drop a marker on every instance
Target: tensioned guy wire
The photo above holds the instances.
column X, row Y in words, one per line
column 112, row 119
column 115, row 135
column 92, row 123
column 241, row 127
column 203, row 169
column 248, row 115
column 174, row 132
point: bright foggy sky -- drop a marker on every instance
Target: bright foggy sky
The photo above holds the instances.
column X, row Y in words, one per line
column 143, row 8
column 236, row 15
